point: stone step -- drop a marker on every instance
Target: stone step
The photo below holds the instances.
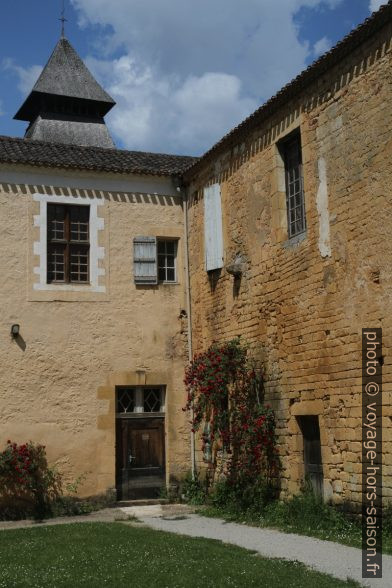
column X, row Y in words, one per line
column 142, row 502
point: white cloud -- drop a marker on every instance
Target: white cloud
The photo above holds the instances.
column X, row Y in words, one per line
column 158, row 112
column 190, row 70
column 375, row 4
column 27, row 76
column 321, row 46
column 1, row 108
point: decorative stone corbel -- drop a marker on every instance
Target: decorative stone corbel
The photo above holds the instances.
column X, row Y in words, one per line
column 238, row 267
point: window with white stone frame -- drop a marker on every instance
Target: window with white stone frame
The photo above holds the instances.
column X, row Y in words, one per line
column 69, row 257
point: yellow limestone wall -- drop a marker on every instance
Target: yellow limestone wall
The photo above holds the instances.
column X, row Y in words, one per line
column 57, row 383
column 302, row 305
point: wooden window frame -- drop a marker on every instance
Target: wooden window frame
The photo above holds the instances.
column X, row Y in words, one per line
column 165, row 267
column 291, row 150
column 67, row 243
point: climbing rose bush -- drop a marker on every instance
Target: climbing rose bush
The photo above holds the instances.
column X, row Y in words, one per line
column 25, row 475
column 226, row 393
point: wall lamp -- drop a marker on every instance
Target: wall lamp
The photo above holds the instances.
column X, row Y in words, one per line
column 15, row 330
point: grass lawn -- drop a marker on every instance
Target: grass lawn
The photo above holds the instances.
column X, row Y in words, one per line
column 119, row 555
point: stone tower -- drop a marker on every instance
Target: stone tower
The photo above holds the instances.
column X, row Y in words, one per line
column 67, row 105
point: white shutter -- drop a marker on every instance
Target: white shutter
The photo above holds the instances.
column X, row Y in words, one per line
column 145, row 260
column 213, row 237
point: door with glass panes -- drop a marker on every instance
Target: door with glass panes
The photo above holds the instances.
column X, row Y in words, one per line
column 140, row 442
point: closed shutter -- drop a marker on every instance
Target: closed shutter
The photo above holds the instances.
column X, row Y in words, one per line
column 145, row 260
column 213, row 238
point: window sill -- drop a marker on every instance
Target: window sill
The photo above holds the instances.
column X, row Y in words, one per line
column 83, row 284
column 168, row 283
column 139, row 415
column 296, row 240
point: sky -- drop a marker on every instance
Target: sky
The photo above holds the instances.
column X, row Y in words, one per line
column 182, row 72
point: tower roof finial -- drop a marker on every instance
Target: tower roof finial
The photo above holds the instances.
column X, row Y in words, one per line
column 62, row 19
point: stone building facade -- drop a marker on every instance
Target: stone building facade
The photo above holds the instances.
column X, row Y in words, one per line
column 80, row 346
column 93, row 300
column 289, row 232
column 301, row 300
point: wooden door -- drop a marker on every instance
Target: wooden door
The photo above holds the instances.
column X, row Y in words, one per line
column 312, row 453
column 140, row 457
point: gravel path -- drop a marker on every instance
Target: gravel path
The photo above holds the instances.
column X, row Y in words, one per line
column 330, row 558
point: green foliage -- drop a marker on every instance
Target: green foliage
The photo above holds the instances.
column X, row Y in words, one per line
column 70, row 506
column 193, row 490
column 29, row 487
column 308, row 513
column 387, row 519
column 27, row 484
column 102, row 554
column 304, row 514
column 251, row 498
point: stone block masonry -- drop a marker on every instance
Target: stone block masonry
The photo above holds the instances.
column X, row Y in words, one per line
column 303, row 302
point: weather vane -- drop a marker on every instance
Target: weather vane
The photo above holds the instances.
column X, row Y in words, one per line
column 62, row 19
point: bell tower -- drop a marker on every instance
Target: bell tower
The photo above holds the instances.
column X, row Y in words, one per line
column 66, row 104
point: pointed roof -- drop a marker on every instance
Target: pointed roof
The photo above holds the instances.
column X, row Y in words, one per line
column 65, row 75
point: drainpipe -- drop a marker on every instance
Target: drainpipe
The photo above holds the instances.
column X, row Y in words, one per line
column 180, row 188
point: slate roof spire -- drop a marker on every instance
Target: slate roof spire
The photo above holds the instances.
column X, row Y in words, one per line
column 63, row 20
column 67, row 104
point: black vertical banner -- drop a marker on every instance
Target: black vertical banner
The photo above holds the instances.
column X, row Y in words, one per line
column 372, row 360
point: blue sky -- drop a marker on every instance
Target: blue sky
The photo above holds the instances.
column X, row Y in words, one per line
column 182, row 72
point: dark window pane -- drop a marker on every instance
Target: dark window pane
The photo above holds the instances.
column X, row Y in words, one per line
column 170, row 247
column 79, row 257
column 56, row 222
column 152, row 400
column 161, row 247
column 80, row 213
column 161, row 274
column 125, row 400
column 56, row 264
column 170, row 262
column 79, row 219
column 170, row 275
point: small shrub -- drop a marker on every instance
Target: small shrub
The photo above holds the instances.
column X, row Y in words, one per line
column 28, row 486
column 387, row 519
column 193, row 490
column 70, row 506
column 248, row 497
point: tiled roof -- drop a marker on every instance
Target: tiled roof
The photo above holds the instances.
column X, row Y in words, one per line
column 349, row 43
column 39, row 153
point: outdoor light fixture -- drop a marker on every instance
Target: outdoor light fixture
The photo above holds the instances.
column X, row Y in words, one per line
column 15, row 330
